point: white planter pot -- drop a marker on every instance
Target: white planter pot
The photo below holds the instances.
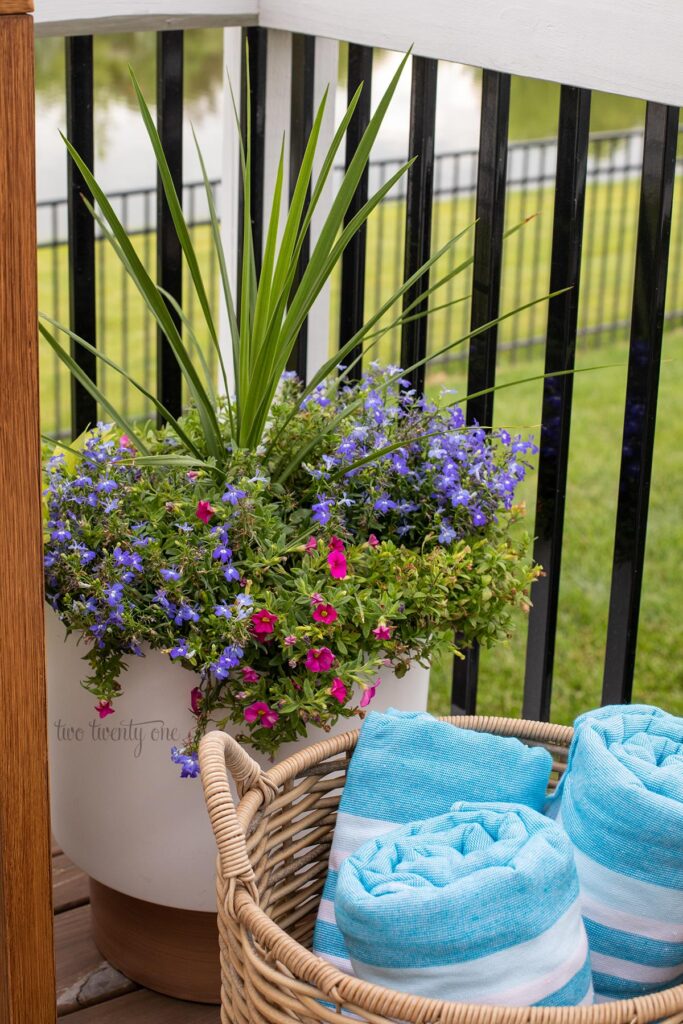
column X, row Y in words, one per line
column 120, row 811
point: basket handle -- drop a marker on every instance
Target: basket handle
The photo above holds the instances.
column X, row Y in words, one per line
column 218, row 753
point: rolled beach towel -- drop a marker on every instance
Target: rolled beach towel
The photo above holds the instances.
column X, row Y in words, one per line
column 480, row 905
column 408, row 766
column 621, row 803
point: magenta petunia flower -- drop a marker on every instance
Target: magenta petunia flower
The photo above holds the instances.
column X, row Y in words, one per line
column 104, row 708
column 262, row 623
column 192, row 475
column 336, row 544
column 325, row 613
column 368, row 693
column 290, row 640
column 250, row 675
column 338, row 689
column 311, row 545
column 383, row 632
column 195, row 700
column 336, row 560
column 260, row 712
column 205, row 511
column 319, row 659
column 125, row 442
column 373, row 541
column 317, row 598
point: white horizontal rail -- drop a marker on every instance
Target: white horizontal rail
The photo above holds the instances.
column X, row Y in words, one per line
column 97, row 17
column 631, row 47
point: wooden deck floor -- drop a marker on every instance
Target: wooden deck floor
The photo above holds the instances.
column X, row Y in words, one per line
column 89, row 991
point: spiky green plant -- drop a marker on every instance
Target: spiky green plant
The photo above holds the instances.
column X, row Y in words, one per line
column 273, row 305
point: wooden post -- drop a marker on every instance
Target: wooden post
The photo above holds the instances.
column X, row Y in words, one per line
column 27, row 981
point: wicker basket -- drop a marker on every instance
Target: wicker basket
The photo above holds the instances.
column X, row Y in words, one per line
column 272, row 864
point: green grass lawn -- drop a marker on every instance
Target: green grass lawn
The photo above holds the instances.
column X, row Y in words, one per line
column 607, row 272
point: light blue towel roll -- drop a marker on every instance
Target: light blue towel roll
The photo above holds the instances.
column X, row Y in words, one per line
column 621, row 802
column 408, row 766
column 480, row 905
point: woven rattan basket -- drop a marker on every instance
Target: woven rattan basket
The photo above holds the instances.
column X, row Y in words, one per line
column 272, row 863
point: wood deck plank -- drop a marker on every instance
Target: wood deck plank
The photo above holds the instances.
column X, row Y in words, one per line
column 148, row 1007
column 83, row 976
column 69, row 885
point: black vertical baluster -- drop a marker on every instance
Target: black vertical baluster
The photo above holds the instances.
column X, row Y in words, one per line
column 102, row 251
column 125, row 282
column 353, row 260
column 82, row 303
column 399, row 199
column 647, row 322
column 57, row 365
column 303, row 82
column 147, row 320
column 570, row 194
column 169, row 251
column 488, row 261
column 452, row 228
column 419, row 190
column 376, row 300
column 255, row 43
column 523, row 185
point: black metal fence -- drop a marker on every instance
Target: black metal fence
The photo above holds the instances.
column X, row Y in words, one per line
column 614, row 161
column 619, row 187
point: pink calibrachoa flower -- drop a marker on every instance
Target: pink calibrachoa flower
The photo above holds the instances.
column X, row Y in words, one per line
column 250, row 675
column 192, row 475
column 382, row 632
column 373, row 541
column 325, row 613
column 104, row 708
column 205, row 511
column 368, row 693
column 319, row 659
column 195, row 700
column 260, row 712
column 338, row 689
column 262, row 623
column 337, row 563
column 311, row 545
column 125, row 442
column 317, row 598
column 290, row 640
column 336, row 544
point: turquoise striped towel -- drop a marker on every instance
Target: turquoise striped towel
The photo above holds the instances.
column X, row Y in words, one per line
column 480, row 905
column 408, row 766
column 621, row 802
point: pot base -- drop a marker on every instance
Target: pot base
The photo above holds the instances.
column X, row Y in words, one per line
column 171, row 951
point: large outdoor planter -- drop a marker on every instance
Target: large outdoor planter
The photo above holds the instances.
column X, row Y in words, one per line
column 123, row 815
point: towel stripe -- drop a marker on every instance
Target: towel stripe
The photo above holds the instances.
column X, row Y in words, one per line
column 495, row 978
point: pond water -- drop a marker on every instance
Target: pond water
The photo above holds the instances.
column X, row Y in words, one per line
column 123, row 157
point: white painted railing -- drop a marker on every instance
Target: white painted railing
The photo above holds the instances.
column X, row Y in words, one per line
column 631, row 47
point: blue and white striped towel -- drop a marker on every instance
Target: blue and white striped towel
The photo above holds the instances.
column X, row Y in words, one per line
column 621, row 803
column 408, row 766
column 480, row 905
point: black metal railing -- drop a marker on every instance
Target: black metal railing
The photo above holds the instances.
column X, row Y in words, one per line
column 600, row 221
column 374, row 263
